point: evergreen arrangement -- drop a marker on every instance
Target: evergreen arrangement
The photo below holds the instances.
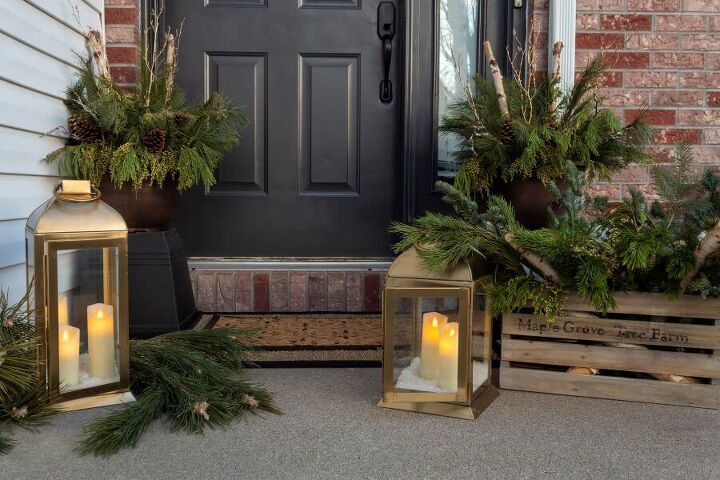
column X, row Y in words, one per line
column 148, row 134
column 24, row 402
column 513, row 128
column 668, row 245
column 194, row 379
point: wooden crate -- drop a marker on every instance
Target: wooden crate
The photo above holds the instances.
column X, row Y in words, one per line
column 681, row 338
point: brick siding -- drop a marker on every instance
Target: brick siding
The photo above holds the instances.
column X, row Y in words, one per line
column 122, row 34
column 664, row 58
column 287, row 291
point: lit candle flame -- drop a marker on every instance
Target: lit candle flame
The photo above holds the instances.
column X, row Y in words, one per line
column 65, row 336
column 452, row 332
column 435, row 322
column 100, row 314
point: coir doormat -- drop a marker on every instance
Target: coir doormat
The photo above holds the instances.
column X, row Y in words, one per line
column 309, row 339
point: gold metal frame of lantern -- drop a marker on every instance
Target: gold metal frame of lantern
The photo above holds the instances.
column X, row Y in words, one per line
column 408, row 279
column 77, row 222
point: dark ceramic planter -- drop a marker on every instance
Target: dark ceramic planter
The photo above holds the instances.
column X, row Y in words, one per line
column 530, row 198
column 150, row 208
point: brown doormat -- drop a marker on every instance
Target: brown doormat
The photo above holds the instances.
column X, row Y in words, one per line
column 310, row 339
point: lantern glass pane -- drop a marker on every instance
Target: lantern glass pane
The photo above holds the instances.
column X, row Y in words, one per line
column 427, row 344
column 481, row 345
column 88, row 317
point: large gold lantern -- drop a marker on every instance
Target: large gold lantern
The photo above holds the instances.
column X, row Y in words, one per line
column 437, row 339
column 76, row 248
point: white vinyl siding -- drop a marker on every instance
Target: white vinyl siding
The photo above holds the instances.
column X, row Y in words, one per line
column 39, row 43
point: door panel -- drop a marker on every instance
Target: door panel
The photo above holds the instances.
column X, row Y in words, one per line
column 245, row 75
column 329, row 121
column 316, row 172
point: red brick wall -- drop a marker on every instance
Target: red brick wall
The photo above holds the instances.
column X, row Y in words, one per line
column 122, row 31
column 665, row 59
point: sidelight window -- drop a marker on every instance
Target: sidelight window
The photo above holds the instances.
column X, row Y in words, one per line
column 456, row 46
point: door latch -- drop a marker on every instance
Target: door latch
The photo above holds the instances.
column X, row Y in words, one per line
column 386, row 32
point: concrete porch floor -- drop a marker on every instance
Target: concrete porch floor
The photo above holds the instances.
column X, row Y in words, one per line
column 332, row 429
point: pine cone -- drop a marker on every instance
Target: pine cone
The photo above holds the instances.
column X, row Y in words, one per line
column 154, row 141
column 179, row 120
column 84, row 129
column 507, row 136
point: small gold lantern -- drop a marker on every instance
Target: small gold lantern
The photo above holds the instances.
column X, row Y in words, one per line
column 76, row 247
column 437, row 339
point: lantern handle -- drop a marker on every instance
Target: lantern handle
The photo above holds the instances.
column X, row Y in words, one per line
column 77, row 197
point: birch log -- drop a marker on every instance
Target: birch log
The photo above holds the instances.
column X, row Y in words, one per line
column 534, row 260
column 96, row 43
column 709, row 244
column 497, row 80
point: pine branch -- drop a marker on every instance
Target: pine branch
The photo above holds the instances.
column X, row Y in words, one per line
column 193, row 378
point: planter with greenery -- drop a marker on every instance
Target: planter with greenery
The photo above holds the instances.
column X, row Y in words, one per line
column 143, row 145
column 517, row 134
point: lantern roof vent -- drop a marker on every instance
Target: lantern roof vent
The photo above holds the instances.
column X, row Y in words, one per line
column 73, row 215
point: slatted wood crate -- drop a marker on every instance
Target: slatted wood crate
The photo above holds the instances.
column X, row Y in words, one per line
column 675, row 338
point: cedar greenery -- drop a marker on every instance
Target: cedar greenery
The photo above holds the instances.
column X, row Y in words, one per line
column 192, row 378
column 146, row 135
column 549, row 127
column 24, row 401
column 594, row 249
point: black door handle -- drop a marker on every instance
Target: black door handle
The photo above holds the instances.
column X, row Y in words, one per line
column 386, row 32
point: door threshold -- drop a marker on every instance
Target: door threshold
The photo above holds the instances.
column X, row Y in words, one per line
column 289, row 263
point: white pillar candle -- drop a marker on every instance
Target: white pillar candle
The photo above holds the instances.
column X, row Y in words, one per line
column 429, row 366
column 101, row 341
column 63, row 310
column 448, row 356
column 69, row 355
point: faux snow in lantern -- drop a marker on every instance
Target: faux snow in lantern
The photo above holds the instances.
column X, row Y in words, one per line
column 76, row 248
column 437, row 339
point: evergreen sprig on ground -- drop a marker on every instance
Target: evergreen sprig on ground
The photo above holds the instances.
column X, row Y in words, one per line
column 193, row 379
column 24, row 402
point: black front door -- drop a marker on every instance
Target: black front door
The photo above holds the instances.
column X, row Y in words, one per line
column 317, row 171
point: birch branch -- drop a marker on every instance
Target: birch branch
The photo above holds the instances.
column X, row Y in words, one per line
column 497, row 80
column 169, row 66
column 557, row 51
